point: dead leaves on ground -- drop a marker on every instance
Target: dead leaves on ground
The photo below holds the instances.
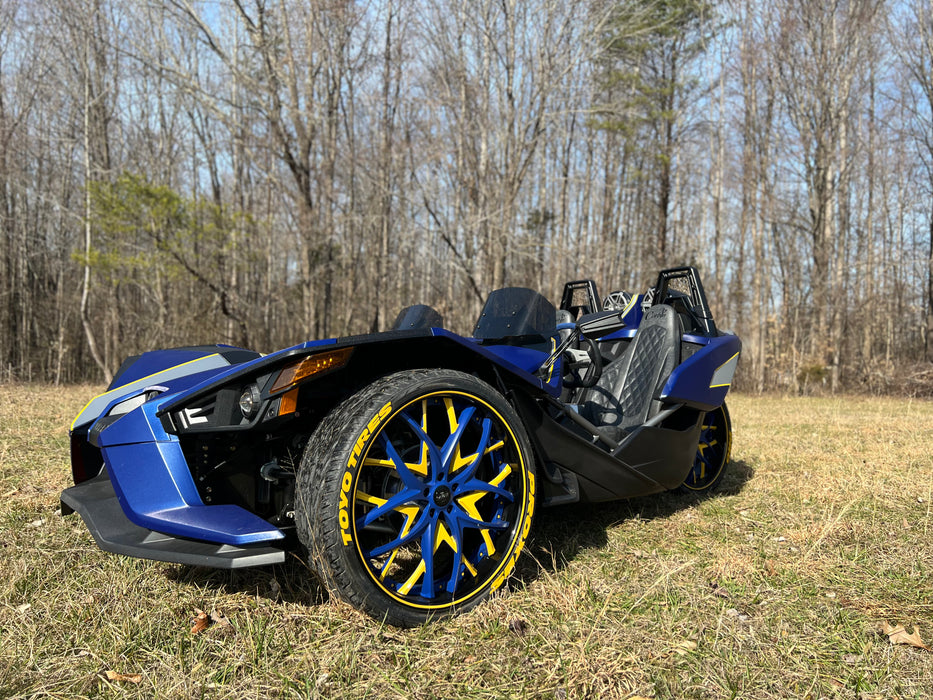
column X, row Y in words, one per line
column 898, row 635
column 123, row 677
column 215, row 621
column 518, row 626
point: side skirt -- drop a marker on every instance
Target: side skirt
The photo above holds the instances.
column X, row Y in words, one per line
column 650, row 459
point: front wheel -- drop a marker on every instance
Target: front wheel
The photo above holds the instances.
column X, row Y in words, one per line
column 416, row 495
column 712, row 456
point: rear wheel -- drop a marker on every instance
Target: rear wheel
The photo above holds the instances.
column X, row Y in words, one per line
column 415, row 496
column 712, row 452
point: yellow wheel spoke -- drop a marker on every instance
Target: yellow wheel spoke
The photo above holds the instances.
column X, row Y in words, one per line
column 413, row 579
column 452, row 420
column 417, row 467
column 460, row 462
column 371, row 500
column 493, row 448
column 410, row 513
column 451, row 415
column 422, row 466
column 443, row 536
column 372, row 462
column 500, row 477
column 468, row 503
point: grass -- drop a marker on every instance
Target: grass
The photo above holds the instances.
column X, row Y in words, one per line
column 772, row 588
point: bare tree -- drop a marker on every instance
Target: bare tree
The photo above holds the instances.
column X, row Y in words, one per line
column 820, row 51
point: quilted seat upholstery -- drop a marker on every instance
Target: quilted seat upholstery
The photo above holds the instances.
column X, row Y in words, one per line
column 625, row 395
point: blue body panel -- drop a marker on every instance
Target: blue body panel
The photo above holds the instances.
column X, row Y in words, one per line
column 522, row 362
column 155, row 361
column 692, row 381
column 154, row 486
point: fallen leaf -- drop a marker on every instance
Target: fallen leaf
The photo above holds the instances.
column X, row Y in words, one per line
column 732, row 612
column 686, row 647
column 23, row 608
column 518, row 626
column 36, row 523
column 387, row 637
column 123, row 677
column 218, row 618
column 221, row 624
column 898, row 635
column 719, row 590
column 769, row 567
column 201, row 621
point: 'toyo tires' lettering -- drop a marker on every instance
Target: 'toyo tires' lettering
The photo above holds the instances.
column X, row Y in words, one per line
column 346, row 483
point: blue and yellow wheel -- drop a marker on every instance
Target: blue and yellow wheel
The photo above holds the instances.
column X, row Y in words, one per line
column 416, row 495
column 713, row 452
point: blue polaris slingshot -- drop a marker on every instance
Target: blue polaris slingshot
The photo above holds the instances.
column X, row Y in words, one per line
column 407, row 466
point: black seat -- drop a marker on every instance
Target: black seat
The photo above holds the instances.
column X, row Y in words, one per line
column 625, row 395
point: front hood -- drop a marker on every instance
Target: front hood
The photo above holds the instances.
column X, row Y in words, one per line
column 164, row 371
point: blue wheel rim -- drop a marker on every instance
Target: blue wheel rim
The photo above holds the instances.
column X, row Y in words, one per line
column 438, row 501
column 712, row 450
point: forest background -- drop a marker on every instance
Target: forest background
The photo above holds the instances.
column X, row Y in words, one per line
column 262, row 172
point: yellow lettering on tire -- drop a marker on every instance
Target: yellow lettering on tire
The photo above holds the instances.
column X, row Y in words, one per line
column 346, row 484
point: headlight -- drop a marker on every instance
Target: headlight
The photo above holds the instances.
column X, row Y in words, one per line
column 249, row 401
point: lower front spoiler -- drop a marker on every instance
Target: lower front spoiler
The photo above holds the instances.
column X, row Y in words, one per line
column 96, row 502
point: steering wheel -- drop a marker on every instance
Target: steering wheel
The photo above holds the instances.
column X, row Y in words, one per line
column 577, row 359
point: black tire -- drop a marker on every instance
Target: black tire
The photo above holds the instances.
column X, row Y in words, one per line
column 383, row 479
column 712, row 453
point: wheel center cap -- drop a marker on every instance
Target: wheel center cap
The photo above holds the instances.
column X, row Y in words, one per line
column 442, row 496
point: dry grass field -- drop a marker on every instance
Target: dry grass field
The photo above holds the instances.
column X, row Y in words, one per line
column 773, row 588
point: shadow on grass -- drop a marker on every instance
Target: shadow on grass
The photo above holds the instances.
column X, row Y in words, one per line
column 558, row 536
column 561, row 533
column 289, row 582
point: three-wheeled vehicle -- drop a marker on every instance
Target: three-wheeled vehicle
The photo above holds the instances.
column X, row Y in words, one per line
column 407, row 466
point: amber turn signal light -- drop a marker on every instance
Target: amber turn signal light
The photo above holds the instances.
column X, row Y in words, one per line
column 309, row 366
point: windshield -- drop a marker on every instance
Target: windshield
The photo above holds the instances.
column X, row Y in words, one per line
column 417, row 316
column 516, row 311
